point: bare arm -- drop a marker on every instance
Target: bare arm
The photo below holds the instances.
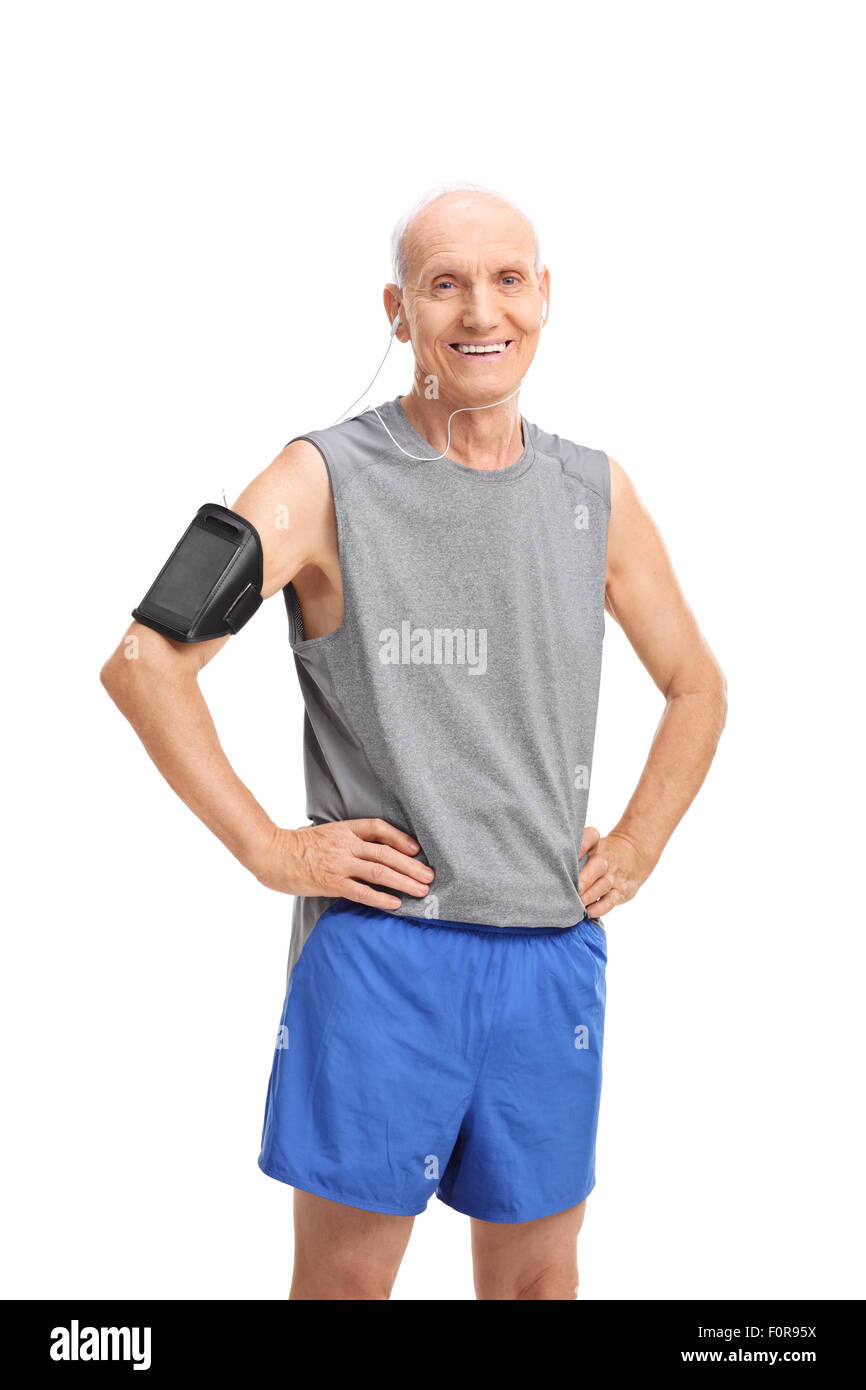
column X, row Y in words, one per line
column 158, row 692
column 644, row 597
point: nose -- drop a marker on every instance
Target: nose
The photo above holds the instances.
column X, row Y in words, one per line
column 480, row 313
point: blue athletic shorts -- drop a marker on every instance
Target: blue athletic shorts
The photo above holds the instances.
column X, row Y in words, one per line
column 417, row 1056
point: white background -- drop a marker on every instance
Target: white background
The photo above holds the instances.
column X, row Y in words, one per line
column 199, row 200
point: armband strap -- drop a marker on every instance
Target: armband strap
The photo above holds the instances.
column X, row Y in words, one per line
column 211, row 584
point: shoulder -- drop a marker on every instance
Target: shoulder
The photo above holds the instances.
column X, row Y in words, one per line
column 586, row 465
column 634, row 538
column 346, row 448
column 625, row 502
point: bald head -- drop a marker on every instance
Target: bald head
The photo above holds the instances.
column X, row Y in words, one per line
column 470, row 293
column 470, row 212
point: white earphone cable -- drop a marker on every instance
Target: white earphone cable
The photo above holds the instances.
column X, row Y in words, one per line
column 420, row 458
column 367, row 388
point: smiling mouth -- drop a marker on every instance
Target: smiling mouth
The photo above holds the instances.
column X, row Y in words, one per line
column 482, row 352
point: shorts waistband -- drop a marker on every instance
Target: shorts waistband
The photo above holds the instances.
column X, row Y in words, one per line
column 485, row 928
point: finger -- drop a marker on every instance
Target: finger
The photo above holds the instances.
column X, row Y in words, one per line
column 372, row 871
column 594, row 868
column 605, row 904
column 403, row 863
column 360, row 893
column 374, row 828
column 597, row 890
column 590, row 839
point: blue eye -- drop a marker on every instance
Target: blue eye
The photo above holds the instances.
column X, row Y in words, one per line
column 445, row 284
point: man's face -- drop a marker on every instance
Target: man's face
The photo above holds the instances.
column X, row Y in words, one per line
column 471, row 284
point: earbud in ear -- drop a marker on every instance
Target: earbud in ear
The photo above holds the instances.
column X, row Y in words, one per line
column 395, row 325
column 543, row 312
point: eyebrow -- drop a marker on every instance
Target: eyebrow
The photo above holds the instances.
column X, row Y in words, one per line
column 446, row 269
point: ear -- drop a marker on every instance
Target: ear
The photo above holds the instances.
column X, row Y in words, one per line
column 393, row 300
column 544, row 291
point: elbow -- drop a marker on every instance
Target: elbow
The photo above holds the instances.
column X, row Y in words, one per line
column 138, row 669
column 114, row 676
column 722, row 697
column 126, row 674
column 708, row 685
column 107, row 676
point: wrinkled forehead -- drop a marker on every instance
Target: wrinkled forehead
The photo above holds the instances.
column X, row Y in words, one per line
column 471, row 234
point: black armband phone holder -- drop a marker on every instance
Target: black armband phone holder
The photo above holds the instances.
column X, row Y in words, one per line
column 211, row 583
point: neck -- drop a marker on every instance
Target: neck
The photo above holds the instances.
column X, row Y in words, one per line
column 486, row 439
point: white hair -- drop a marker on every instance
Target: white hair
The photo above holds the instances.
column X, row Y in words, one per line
column 398, row 236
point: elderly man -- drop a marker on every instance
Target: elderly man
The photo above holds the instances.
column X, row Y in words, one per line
column 446, row 569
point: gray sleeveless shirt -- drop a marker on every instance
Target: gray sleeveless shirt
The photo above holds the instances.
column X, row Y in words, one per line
column 457, row 699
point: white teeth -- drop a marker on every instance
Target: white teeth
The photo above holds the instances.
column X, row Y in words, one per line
column 488, row 347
